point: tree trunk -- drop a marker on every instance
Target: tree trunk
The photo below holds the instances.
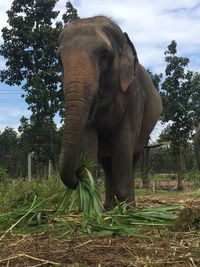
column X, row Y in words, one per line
column 197, row 146
column 181, row 165
column 144, row 168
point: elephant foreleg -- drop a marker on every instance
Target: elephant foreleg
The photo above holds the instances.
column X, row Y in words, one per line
column 122, row 178
column 109, row 191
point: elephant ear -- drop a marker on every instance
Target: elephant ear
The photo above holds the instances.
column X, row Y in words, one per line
column 128, row 63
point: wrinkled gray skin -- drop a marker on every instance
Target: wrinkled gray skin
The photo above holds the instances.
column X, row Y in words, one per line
column 111, row 105
column 197, row 146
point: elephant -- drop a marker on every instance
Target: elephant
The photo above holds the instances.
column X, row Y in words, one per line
column 111, row 105
column 197, row 146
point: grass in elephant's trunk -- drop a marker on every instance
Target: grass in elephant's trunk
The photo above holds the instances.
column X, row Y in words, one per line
column 88, row 197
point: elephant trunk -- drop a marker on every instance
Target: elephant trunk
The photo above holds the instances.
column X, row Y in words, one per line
column 79, row 95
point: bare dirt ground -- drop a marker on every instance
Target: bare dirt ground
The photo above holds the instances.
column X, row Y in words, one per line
column 176, row 246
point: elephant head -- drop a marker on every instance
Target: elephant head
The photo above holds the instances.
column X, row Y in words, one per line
column 197, row 146
column 98, row 60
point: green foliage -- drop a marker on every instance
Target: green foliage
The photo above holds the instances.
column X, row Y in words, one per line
column 156, row 78
column 9, row 150
column 3, row 174
column 161, row 160
column 14, row 148
column 71, row 13
column 196, row 97
column 45, row 144
column 29, row 48
column 177, row 92
column 178, row 108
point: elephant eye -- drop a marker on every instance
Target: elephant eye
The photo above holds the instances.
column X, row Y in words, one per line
column 105, row 60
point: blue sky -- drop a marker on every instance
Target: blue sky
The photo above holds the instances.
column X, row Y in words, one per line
column 151, row 26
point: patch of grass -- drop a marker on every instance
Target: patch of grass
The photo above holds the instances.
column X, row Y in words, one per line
column 42, row 206
column 19, row 192
column 196, row 193
column 67, row 212
column 38, row 217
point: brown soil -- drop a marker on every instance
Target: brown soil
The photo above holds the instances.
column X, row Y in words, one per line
column 166, row 249
column 170, row 247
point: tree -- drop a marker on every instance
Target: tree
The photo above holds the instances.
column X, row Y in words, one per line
column 9, row 151
column 156, row 78
column 178, row 109
column 71, row 13
column 30, row 44
column 196, row 97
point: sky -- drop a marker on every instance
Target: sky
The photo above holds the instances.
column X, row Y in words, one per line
column 151, row 25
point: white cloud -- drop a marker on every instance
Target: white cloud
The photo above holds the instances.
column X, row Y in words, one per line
column 7, row 113
column 10, row 116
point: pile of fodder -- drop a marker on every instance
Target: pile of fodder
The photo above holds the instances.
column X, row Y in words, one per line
column 188, row 218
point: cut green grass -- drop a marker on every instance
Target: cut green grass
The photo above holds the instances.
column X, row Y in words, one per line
column 67, row 212
column 42, row 215
column 38, row 218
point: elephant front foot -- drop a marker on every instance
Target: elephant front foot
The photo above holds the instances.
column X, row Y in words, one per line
column 108, row 206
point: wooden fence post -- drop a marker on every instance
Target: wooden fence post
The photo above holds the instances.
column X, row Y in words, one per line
column 29, row 166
